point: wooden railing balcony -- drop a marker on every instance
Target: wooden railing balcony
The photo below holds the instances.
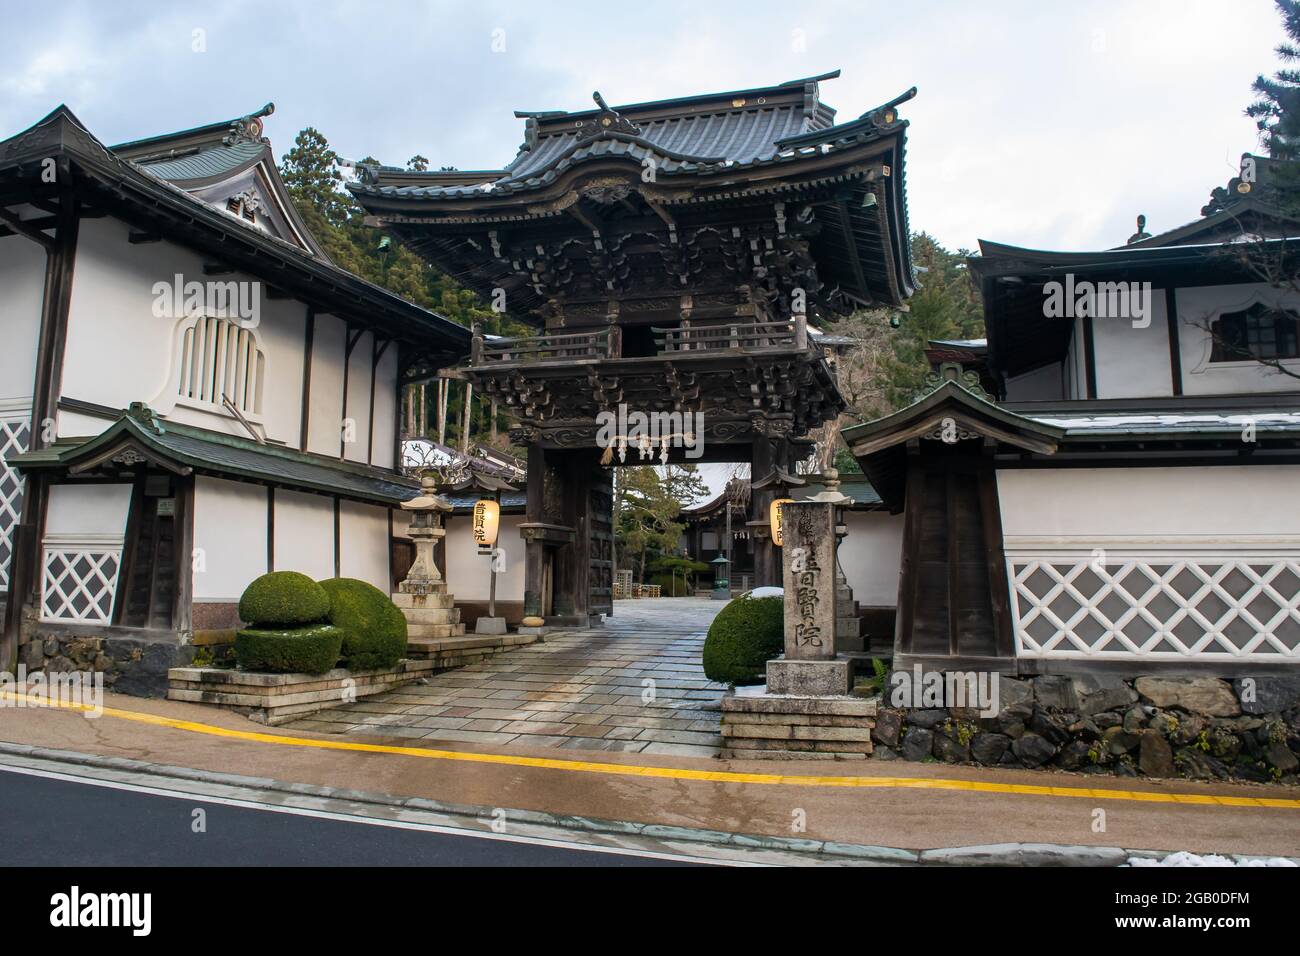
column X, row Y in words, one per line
column 607, row 343
column 791, row 335
column 548, row 347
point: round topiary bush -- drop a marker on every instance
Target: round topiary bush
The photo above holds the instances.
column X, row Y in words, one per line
column 302, row 650
column 745, row 635
column 374, row 630
column 283, row 599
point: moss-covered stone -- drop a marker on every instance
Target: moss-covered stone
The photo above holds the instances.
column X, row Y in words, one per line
column 302, row 650
column 283, row 599
column 374, row 630
column 745, row 635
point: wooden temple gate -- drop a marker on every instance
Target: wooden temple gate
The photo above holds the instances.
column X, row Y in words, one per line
column 676, row 257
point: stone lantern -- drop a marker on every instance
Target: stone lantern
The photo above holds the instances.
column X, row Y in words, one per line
column 721, row 578
column 426, row 531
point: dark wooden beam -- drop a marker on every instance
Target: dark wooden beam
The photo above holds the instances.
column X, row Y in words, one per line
column 338, row 535
column 1175, row 344
column 182, row 613
column 954, row 563
column 60, row 257
column 26, row 228
column 270, row 528
column 909, row 572
column 1089, row 358
column 995, row 553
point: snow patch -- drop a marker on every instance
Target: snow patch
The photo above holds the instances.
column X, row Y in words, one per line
column 1184, row 858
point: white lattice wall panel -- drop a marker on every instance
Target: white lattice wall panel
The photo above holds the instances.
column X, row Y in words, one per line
column 78, row 584
column 15, row 436
column 1156, row 606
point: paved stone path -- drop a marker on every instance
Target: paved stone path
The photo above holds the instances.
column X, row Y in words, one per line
column 636, row 684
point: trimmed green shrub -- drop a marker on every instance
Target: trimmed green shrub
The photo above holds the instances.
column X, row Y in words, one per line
column 671, row 585
column 283, row 599
column 745, row 635
column 374, row 630
column 303, row 650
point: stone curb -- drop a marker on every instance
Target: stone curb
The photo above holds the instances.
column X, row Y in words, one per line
column 999, row 854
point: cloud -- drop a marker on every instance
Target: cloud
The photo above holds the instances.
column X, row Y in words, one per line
column 1043, row 124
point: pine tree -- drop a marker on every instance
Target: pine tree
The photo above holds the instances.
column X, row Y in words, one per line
column 311, row 172
column 1277, row 110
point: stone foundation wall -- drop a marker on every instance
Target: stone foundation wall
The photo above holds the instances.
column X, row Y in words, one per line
column 129, row 665
column 278, row 698
column 1200, row 728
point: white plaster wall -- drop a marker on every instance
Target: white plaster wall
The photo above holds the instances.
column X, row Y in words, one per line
column 80, row 425
column 118, row 351
column 229, row 537
column 358, row 410
column 386, row 410
column 870, row 556
column 467, row 571
column 363, row 543
column 1041, row 385
column 1237, row 506
column 81, row 511
column 328, row 345
column 22, row 289
column 1133, row 362
column 304, row 533
column 1199, row 306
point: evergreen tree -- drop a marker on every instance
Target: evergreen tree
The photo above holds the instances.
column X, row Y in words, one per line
column 1277, row 110
column 887, row 365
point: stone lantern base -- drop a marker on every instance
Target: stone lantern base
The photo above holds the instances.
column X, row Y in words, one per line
column 431, row 614
column 768, row 727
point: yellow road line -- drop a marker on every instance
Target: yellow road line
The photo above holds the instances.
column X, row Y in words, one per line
column 678, row 773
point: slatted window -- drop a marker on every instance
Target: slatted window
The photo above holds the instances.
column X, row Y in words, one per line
column 1259, row 332
column 220, row 359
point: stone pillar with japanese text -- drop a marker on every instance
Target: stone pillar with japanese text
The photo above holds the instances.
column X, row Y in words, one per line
column 810, row 667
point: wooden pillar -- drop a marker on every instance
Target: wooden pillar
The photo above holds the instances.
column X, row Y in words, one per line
column 24, row 566
column 443, row 386
column 534, row 548
column 469, row 408
column 767, row 563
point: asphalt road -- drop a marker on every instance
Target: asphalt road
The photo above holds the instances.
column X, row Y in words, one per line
column 58, row 822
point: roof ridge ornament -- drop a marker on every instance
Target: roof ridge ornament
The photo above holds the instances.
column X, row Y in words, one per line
column 1142, row 231
column 145, row 416
column 968, row 379
column 608, row 120
column 248, row 129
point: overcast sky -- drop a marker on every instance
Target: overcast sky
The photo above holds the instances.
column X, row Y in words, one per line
column 1040, row 123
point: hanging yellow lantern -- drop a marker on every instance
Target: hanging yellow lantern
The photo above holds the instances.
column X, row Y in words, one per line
column 487, row 520
column 774, row 518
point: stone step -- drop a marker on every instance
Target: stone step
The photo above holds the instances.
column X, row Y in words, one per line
column 416, row 631
column 431, row 615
